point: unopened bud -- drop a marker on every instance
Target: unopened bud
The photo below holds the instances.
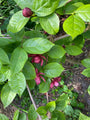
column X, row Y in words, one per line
column 27, row 12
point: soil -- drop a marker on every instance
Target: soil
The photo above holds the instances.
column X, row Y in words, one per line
column 9, row 111
column 80, row 84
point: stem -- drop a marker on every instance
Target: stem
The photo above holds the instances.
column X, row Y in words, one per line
column 6, row 37
column 20, row 108
column 69, row 1
column 31, row 97
column 60, row 37
column 73, row 61
column 47, row 96
column 50, row 37
column 33, row 101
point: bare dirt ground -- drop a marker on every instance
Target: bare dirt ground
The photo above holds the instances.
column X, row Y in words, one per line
column 9, row 111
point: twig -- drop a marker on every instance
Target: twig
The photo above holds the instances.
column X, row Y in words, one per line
column 20, row 108
column 31, row 98
column 69, row 1
column 33, row 101
column 60, row 37
column 6, row 37
column 73, row 61
column 50, row 37
column 66, row 35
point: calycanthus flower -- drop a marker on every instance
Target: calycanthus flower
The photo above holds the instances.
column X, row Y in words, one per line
column 55, row 82
column 39, row 77
column 37, row 58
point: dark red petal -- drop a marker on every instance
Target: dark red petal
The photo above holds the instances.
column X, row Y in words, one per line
column 41, row 62
column 51, row 85
column 56, row 83
column 40, row 73
column 37, row 79
column 43, row 79
column 36, row 71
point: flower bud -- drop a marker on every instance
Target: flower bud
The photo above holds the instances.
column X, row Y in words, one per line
column 27, row 12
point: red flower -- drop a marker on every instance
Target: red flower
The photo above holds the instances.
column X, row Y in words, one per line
column 37, row 58
column 39, row 77
column 45, row 32
column 55, row 82
column 27, row 12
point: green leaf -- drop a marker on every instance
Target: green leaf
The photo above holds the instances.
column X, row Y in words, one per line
column 86, row 34
column 89, row 89
column 79, row 41
column 44, row 86
column 74, row 102
column 1, row 35
column 68, row 110
column 16, row 115
column 83, row 117
column 73, row 50
column 62, row 3
column 17, row 83
column 50, row 23
column 4, row 41
column 56, row 52
column 18, row 59
column 86, row 72
column 7, row 95
column 42, row 110
column 4, row 74
column 53, row 69
column 31, row 83
column 17, row 22
column 86, row 62
column 74, row 25
column 44, row 8
column 45, row 117
column 37, row 45
column 24, row 3
column 64, row 41
column 36, row 20
column 59, row 115
column 32, row 115
column 0, row 65
column 58, row 60
column 29, row 71
column 22, row 116
column 33, row 34
column 2, row 77
column 53, row 119
column 3, row 117
column 41, row 7
column 3, row 57
column 7, row 73
column 17, row 36
column 71, row 8
column 60, row 11
column 39, row 28
column 62, row 102
column 51, row 106
column 84, row 12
